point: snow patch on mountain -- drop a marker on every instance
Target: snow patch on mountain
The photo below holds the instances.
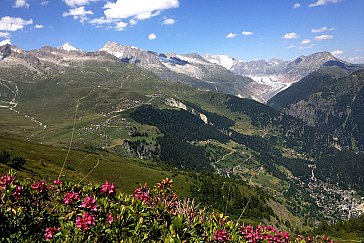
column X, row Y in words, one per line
column 68, row 47
column 192, row 58
column 114, row 49
column 269, row 86
column 222, row 60
column 272, row 81
column 132, row 55
column 188, row 69
column 5, row 42
column 118, row 50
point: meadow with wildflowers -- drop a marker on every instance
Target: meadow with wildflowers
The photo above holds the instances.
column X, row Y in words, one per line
column 61, row 211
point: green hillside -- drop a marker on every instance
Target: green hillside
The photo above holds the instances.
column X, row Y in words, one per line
column 329, row 102
column 129, row 173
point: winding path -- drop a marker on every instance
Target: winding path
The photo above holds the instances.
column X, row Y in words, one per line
column 13, row 104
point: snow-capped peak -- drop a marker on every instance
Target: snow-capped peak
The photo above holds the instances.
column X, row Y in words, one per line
column 119, row 50
column 5, row 42
column 68, row 47
column 113, row 48
column 222, row 60
column 111, row 44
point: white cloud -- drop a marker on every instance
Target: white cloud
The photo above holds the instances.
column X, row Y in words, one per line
column 322, row 3
column 306, row 41
column 323, row 37
column 291, row 46
column 21, row 4
column 44, row 3
column 152, row 36
column 4, row 34
column 137, row 9
column 5, row 42
column 120, row 26
column 147, row 15
column 78, row 13
column 247, row 33
column 39, row 26
column 133, row 22
column 101, row 21
column 296, row 5
column 231, row 35
column 355, row 59
column 169, row 21
column 76, row 3
column 322, row 29
column 8, row 23
column 292, row 35
column 337, row 52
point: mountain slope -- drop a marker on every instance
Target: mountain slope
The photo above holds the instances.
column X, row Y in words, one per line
column 260, row 68
column 190, row 69
column 277, row 75
column 223, row 60
column 286, row 72
column 304, row 65
column 329, row 101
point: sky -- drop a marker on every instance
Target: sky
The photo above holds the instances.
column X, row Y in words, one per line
column 243, row 29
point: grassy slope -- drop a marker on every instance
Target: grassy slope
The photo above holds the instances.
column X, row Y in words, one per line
column 45, row 162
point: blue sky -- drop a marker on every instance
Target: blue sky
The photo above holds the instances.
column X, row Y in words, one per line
column 243, row 29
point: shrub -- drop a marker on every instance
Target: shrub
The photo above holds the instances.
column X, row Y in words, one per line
column 67, row 212
column 5, row 157
column 16, row 162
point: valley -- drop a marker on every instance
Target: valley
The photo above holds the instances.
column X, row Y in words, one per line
column 135, row 121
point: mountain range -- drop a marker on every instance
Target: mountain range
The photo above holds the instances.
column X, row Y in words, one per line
column 259, row 80
column 190, row 69
column 276, row 75
column 267, row 78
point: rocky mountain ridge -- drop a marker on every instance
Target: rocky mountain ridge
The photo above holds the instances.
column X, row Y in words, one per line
column 191, row 69
column 267, row 78
column 329, row 99
column 48, row 59
column 276, row 75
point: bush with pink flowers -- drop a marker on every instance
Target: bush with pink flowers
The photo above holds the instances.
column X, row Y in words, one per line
column 66, row 212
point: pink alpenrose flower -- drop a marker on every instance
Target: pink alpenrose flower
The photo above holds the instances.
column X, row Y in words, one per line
column 40, row 186
column 49, row 233
column 18, row 192
column 71, row 197
column 85, row 221
column 221, row 235
column 5, row 181
column 90, row 203
column 108, row 188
